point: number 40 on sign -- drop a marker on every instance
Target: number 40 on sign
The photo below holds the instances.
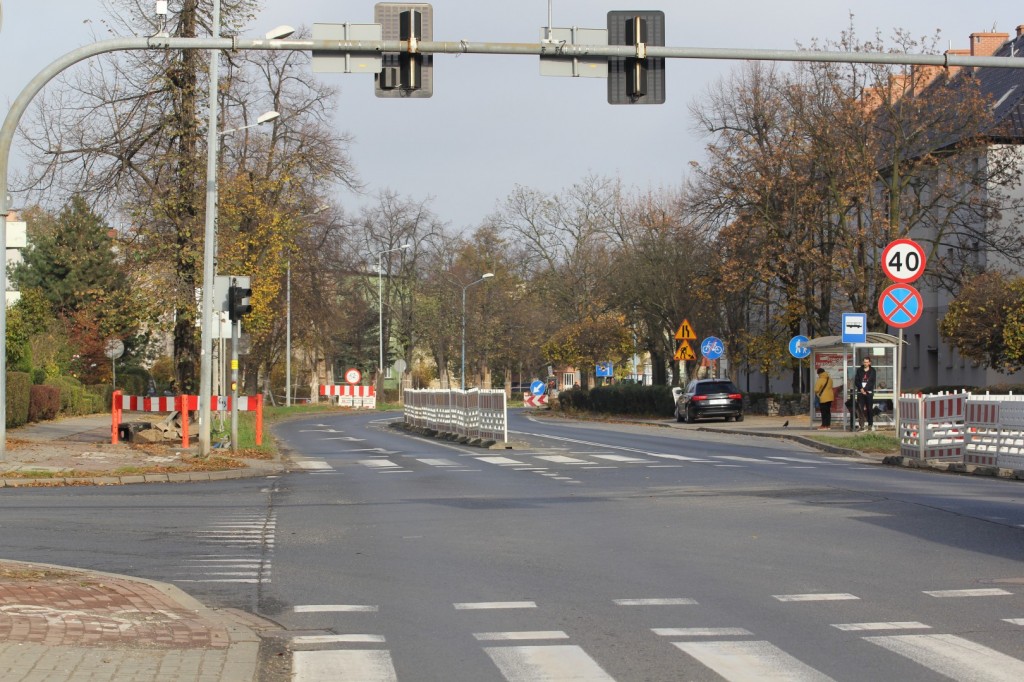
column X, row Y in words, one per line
column 903, row 261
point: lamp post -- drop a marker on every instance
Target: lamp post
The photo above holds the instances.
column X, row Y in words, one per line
column 209, row 252
column 485, row 276
column 380, row 302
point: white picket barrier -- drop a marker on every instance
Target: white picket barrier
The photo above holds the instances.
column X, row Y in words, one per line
column 932, row 427
column 472, row 414
column 995, row 431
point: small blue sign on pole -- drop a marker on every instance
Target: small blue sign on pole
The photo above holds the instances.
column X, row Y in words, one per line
column 712, row 348
column 798, row 347
column 538, row 387
column 604, row 369
column 855, row 327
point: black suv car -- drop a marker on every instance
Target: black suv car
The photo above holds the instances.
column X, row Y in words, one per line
column 709, row 398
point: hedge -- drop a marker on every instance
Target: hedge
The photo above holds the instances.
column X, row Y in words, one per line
column 19, row 384
column 44, row 403
column 629, row 399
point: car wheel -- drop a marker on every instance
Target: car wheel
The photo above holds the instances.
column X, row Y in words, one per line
column 691, row 416
column 739, row 417
column 679, row 417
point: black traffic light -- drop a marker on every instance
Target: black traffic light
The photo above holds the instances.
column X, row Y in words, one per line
column 632, row 80
column 238, row 302
column 405, row 74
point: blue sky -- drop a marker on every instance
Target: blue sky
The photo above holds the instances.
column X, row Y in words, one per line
column 493, row 121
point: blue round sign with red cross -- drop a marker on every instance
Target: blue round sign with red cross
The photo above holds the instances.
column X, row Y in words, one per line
column 900, row 305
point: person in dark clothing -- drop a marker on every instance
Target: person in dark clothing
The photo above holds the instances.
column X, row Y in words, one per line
column 864, row 383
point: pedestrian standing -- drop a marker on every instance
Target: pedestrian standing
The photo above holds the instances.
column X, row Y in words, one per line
column 864, row 383
column 824, row 393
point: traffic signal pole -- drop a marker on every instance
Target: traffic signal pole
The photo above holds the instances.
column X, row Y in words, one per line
column 371, row 47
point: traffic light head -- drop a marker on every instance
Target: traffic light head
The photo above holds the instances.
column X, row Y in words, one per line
column 239, row 304
column 633, row 80
column 405, row 74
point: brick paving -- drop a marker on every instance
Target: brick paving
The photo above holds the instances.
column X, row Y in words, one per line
column 65, row 625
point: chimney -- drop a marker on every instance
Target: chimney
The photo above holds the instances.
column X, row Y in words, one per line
column 1020, row 30
column 986, row 44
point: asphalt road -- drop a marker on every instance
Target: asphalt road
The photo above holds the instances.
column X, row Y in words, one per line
column 598, row 552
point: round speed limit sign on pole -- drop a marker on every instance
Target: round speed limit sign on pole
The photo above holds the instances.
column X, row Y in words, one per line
column 353, row 376
column 903, row 261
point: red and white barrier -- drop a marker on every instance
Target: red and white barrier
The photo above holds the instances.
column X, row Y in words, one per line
column 352, row 396
column 183, row 404
column 995, row 431
column 932, row 427
column 531, row 400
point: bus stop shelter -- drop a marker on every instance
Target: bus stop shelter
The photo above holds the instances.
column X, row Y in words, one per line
column 841, row 360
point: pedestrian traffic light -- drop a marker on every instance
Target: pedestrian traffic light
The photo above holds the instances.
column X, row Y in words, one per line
column 409, row 73
column 238, row 302
column 640, row 79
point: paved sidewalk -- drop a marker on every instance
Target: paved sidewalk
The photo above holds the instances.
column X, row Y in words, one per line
column 62, row 624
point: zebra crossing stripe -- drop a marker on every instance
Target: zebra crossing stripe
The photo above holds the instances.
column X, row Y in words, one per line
column 816, row 597
column 954, row 657
column 1014, row 621
column 553, row 663
column 984, row 592
column 702, row 632
column 336, row 608
column 675, row 601
column 751, row 661
column 372, row 665
column 494, row 605
column 337, row 639
column 306, row 464
column 509, row 636
column 860, row 627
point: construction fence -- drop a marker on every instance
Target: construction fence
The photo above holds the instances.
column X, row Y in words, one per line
column 984, row 430
column 473, row 414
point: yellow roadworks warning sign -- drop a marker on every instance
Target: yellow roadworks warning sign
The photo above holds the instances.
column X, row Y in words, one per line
column 685, row 332
column 685, row 352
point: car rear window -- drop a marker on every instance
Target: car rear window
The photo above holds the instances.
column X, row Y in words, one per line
column 717, row 387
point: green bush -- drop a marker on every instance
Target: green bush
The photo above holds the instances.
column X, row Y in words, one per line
column 44, row 402
column 133, row 381
column 19, row 385
column 38, row 376
column 627, row 399
column 76, row 399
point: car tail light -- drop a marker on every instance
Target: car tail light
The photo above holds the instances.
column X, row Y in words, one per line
column 698, row 398
column 735, row 396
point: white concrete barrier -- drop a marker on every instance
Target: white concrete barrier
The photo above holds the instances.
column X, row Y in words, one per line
column 472, row 414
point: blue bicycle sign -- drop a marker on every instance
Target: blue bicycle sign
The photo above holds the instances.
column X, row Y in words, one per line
column 712, row 348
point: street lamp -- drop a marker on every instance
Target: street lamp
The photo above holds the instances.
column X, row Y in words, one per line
column 380, row 303
column 485, row 276
column 210, row 236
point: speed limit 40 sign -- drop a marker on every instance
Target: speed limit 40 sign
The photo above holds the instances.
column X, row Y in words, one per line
column 903, row 261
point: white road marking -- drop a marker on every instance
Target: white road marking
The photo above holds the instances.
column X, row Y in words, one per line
column 984, row 592
column 608, row 467
column 378, row 463
column 624, row 459
column 1014, row 621
column 664, row 466
column 702, row 632
column 343, row 666
column 676, row 601
column 560, row 663
column 562, row 459
column 349, row 439
column 336, row 608
column 337, row 639
column 500, row 461
column 681, row 458
column 954, row 657
column 904, row 625
column 509, row 636
column 737, row 458
column 840, row 596
column 493, row 605
column 306, row 464
column 751, row 661
column 438, row 462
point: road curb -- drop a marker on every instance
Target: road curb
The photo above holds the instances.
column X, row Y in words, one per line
column 178, row 477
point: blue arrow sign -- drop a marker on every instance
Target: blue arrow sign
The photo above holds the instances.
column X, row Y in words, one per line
column 798, row 347
column 538, row 387
column 604, row 369
column 712, row 348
